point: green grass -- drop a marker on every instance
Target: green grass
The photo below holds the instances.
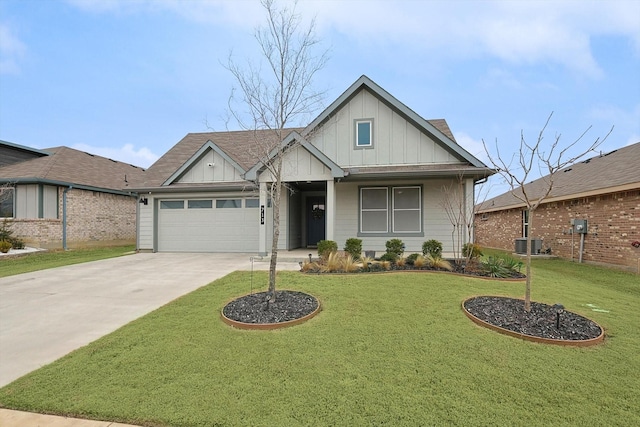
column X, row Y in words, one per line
column 42, row 260
column 387, row 349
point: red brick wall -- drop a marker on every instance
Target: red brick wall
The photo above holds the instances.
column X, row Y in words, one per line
column 613, row 223
column 92, row 218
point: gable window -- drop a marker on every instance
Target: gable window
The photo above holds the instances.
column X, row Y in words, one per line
column 391, row 210
column 172, row 204
column 228, row 203
column 364, row 133
column 6, row 202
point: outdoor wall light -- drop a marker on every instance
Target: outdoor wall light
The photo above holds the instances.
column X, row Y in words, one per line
column 144, row 201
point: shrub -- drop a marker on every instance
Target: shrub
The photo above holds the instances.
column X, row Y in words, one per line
column 400, row 262
column 439, row 263
column 494, row 267
column 419, row 262
column 332, row 263
column 512, row 264
column 412, row 258
column 385, row 265
column 326, row 247
column 308, row 266
column 389, row 257
column 432, row 247
column 367, row 263
column 395, row 246
column 5, row 246
column 5, row 231
column 17, row 243
column 349, row 265
column 471, row 251
column 353, row 247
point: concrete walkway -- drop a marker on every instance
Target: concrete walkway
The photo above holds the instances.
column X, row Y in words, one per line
column 46, row 314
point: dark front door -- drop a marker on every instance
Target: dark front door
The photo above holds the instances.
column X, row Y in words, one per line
column 315, row 220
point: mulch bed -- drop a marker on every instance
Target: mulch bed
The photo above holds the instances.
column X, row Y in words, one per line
column 509, row 313
column 288, row 305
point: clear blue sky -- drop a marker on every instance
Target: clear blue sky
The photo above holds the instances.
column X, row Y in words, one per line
column 127, row 79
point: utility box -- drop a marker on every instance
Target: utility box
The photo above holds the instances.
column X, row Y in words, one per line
column 579, row 226
column 521, row 246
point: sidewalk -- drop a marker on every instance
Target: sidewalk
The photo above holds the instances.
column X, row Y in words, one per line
column 11, row 418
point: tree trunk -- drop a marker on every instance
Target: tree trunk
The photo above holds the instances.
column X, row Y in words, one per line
column 527, row 291
column 276, row 193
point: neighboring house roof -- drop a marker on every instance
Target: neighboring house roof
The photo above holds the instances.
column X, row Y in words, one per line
column 66, row 166
column 11, row 153
column 605, row 173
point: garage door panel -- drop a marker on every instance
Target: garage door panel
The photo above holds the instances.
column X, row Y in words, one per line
column 208, row 229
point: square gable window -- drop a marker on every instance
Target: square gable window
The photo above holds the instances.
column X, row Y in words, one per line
column 364, row 133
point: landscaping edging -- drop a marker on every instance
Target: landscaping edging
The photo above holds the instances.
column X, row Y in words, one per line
column 574, row 343
column 269, row 326
column 472, row 276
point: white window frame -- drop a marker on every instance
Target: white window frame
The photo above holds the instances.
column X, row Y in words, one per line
column 394, row 209
column 386, row 210
column 525, row 222
column 391, row 212
column 357, row 133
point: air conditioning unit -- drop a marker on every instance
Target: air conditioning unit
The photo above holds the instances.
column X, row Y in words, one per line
column 521, row 246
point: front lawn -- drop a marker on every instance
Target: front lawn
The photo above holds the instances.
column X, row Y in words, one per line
column 388, row 349
column 10, row 265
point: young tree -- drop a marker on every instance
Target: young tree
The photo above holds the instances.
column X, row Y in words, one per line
column 517, row 173
column 278, row 98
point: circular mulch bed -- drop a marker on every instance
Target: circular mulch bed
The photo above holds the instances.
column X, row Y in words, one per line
column 508, row 316
column 253, row 312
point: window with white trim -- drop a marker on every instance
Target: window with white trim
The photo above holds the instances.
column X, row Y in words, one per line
column 252, row 203
column 364, row 133
column 406, row 210
column 200, row 204
column 525, row 223
column 228, row 203
column 391, row 210
column 6, row 202
column 374, row 209
column 172, row 204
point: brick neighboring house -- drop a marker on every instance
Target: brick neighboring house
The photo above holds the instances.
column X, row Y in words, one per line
column 604, row 190
column 61, row 197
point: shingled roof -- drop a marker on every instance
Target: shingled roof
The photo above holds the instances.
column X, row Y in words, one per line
column 66, row 166
column 236, row 144
column 605, row 173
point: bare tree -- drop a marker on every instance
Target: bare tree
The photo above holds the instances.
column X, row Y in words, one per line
column 518, row 170
column 278, row 98
column 460, row 216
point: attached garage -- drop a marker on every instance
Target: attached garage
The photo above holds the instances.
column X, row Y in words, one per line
column 208, row 225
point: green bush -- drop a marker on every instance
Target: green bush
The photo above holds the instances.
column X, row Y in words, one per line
column 512, row 264
column 432, row 247
column 411, row 259
column 325, row 247
column 353, row 247
column 17, row 243
column 395, row 247
column 5, row 246
column 389, row 256
column 494, row 267
column 471, row 251
column 5, row 231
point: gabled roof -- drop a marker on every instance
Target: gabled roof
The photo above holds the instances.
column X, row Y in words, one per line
column 35, row 151
column 336, row 171
column 438, row 129
column 66, row 166
column 237, row 146
column 605, row 173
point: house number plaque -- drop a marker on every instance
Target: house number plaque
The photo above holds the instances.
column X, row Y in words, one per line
column 261, row 214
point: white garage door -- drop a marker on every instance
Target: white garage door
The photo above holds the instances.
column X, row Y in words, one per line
column 208, row 225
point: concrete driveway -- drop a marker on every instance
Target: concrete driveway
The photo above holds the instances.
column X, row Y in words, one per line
column 47, row 314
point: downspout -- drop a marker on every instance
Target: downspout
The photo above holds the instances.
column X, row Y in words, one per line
column 64, row 217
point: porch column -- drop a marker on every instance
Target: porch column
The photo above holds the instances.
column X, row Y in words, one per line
column 330, row 210
column 469, row 199
column 262, row 233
